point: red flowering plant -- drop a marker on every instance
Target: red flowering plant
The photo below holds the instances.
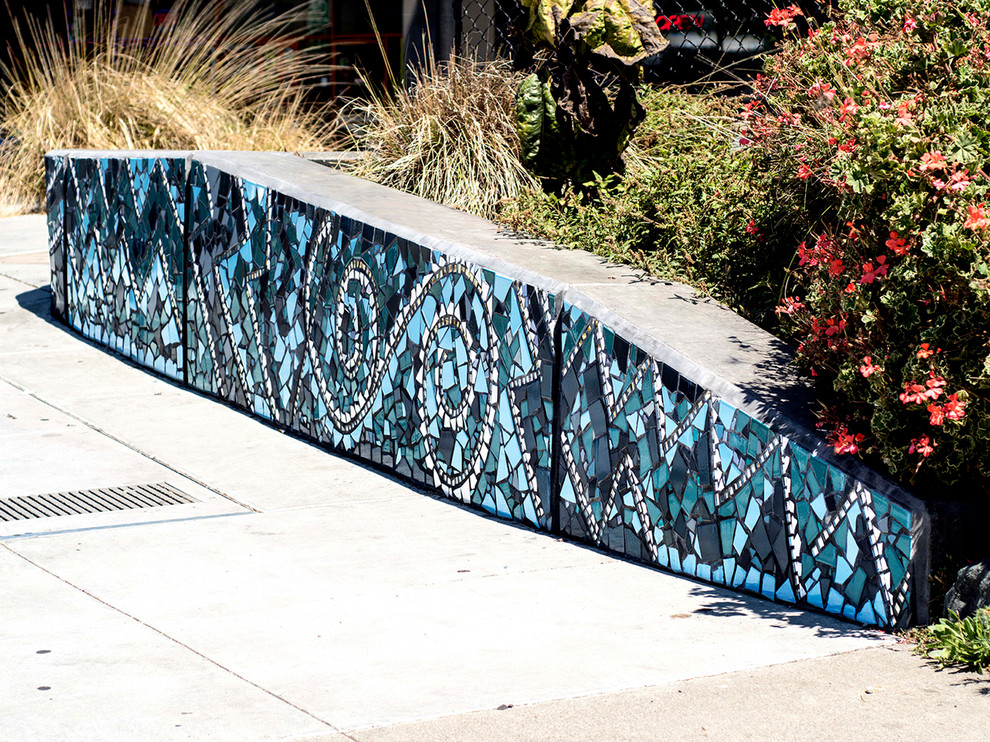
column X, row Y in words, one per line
column 876, row 128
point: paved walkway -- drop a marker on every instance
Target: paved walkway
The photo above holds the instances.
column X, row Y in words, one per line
column 305, row 597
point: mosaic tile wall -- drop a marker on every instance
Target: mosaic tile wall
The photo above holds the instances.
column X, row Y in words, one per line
column 55, row 208
column 124, row 259
column 444, row 372
column 371, row 344
column 655, row 467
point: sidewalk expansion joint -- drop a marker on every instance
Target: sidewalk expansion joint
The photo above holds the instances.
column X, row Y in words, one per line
column 176, row 641
column 19, row 280
column 151, row 457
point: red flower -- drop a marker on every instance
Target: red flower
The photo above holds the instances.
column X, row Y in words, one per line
column 804, row 172
column 848, row 108
column 783, row 17
column 933, row 161
column 845, row 442
column 904, row 117
column 926, row 351
column 751, row 228
column 913, row 393
column 823, row 253
column 955, row 408
column 859, row 51
column 935, row 385
column 881, row 266
column 977, row 218
column 836, row 267
column 897, row 245
column 870, row 273
column 868, row 369
column 821, row 90
column 937, row 414
column 959, row 181
column 834, row 327
column 909, row 24
column 922, row 445
column 790, row 306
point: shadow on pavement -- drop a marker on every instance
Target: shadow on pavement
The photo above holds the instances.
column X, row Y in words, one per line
column 39, row 302
column 720, row 602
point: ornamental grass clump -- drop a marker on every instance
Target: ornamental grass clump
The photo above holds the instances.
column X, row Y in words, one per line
column 449, row 136
column 877, row 130
column 203, row 80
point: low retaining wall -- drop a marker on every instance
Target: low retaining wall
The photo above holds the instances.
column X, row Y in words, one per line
column 541, row 385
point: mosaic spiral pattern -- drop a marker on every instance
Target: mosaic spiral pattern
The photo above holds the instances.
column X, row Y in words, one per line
column 372, row 345
column 486, row 389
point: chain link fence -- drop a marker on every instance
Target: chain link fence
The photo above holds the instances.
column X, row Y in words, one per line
column 485, row 29
column 707, row 39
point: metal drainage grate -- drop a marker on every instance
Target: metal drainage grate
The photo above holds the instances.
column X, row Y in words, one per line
column 102, row 500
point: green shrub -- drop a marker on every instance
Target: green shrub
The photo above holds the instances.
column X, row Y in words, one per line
column 683, row 209
column 955, row 641
column 875, row 129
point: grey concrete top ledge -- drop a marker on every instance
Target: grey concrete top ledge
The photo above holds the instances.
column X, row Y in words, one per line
column 701, row 339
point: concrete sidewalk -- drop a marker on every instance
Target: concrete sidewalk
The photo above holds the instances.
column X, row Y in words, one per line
column 302, row 596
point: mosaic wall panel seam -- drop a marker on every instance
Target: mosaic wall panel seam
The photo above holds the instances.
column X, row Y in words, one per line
column 484, row 388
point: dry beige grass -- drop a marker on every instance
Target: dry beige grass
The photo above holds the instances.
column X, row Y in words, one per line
column 449, row 137
column 203, row 82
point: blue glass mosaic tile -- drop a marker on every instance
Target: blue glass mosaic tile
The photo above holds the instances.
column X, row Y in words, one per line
column 658, row 469
column 55, row 208
column 372, row 345
column 475, row 385
column 125, row 256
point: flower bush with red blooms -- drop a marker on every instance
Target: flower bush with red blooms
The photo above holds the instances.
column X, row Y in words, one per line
column 876, row 128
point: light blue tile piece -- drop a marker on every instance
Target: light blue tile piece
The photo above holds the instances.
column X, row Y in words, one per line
column 835, row 601
column 768, row 587
column 752, row 514
column 786, row 593
column 739, row 539
column 753, row 579
column 842, row 571
column 867, row 615
column 883, row 619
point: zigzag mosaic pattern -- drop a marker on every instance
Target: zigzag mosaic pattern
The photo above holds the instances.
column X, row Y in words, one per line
column 657, row 468
column 125, row 256
column 444, row 373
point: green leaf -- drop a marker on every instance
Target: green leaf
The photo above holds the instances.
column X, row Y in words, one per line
column 966, row 148
column 544, row 19
column 530, row 118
